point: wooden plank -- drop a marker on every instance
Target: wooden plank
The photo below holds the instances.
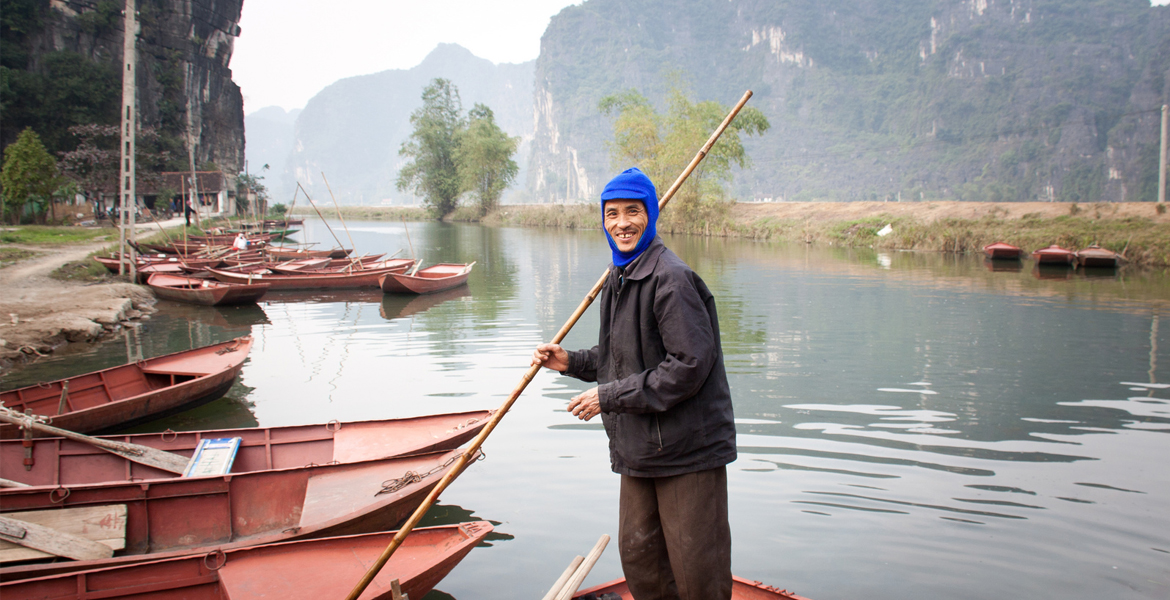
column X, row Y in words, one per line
column 51, row 541
column 104, row 525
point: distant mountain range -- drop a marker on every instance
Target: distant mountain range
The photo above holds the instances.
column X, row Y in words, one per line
column 992, row 100
column 351, row 130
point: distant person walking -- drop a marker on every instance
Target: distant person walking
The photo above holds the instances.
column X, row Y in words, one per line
column 187, row 210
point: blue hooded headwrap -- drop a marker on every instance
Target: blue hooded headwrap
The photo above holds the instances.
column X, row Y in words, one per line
column 632, row 184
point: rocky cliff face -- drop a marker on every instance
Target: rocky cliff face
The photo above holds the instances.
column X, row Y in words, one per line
column 997, row 100
column 353, row 129
column 183, row 78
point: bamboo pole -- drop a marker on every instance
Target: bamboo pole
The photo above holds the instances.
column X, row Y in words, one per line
column 314, row 205
column 473, row 449
column 342, row 219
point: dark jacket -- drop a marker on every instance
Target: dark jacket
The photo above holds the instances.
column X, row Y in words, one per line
column 658, row 363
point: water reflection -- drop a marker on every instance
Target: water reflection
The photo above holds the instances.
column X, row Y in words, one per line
column 398, row 306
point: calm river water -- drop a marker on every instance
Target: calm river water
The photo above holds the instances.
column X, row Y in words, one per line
column 910, row 425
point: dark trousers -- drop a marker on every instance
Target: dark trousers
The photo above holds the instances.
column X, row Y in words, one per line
column 674, row 538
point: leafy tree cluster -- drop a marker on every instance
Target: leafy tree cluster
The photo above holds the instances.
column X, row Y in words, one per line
column 663, row 144
column 29, row 175
column 451, row 154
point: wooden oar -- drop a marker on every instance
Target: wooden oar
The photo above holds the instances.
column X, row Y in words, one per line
column 151, row 457
column 564, row 578
column 472, row 451
column 582, row 571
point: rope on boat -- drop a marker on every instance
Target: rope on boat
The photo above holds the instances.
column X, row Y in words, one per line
column 411, row 477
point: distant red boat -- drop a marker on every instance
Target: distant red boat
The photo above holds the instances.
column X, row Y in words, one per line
column 282, row 254
column 207, row 292
column 323, row 568
column 1054, row 255
column 59, row 462
column 1002, row 251
column 741, row 589
column 167, row 518
column 427, row 281
column 1096, row 256
column 132, row 393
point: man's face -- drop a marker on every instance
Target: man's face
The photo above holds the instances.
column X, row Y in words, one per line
column 625, row 220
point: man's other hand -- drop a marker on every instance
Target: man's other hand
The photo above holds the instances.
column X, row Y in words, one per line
column 586, row 406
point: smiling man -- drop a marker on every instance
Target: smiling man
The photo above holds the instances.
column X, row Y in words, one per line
column 663, row 397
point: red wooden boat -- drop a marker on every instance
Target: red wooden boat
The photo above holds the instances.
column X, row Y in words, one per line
column 365, row 278
column 207, row 292
column 426, row 281
column 308, row 569
column 741, row 589
column 1054, row 255
column 339, row 265
column 133, row 393
column 167, row 518
column 1002, row 251
column 59, row 462
column 1096, row 256
column 283, row 254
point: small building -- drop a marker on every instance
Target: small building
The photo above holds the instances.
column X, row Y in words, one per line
column 216, row 192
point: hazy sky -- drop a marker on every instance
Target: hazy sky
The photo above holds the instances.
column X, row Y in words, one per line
column 288, row 50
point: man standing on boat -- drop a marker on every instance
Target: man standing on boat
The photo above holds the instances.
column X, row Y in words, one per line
column 665, row 402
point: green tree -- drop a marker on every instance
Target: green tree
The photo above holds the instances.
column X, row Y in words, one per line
column 483, row 155
column 29, row 174
column 663, row 144
column 432, row 171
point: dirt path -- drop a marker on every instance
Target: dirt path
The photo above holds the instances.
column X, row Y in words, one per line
column 39, row 314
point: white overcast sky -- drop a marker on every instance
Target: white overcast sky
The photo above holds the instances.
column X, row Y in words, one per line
column 288, row 50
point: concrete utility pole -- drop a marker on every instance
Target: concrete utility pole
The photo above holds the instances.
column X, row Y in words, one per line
column 126, row 192
column 1162, row 159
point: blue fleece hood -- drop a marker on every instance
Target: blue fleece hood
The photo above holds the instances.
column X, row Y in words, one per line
column 632, row 184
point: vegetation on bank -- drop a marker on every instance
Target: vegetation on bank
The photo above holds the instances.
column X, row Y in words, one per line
column 1141, row 239
column 54, row 236
column 10, row 256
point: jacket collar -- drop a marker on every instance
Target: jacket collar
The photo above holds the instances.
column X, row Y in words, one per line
column 644, row 265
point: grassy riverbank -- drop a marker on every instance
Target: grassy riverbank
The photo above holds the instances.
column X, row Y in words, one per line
column 1138, row 229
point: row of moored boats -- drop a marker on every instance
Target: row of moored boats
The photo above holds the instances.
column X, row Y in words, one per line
column 1092, row 256
column 205, row 271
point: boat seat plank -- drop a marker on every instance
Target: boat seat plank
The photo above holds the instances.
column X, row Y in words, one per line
column 71, row 532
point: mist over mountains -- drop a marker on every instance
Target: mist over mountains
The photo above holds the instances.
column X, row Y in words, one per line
column 987, row 100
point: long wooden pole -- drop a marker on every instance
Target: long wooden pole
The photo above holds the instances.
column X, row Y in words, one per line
column 314, row 205
column 473, row 449
column 342, row 219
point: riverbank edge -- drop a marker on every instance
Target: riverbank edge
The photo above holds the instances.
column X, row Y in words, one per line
column 1139, row 230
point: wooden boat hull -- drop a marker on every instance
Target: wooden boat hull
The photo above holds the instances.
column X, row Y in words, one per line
column 203, row 291
column 741, row 589
column 426, row 281
column 166, row 518
column 311, row 569
column 58, row 462
column 276, row 254
column 1054, row 255
column 134, row 393
column 1097, row 257
column 1002, row 251
column 367, row 278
